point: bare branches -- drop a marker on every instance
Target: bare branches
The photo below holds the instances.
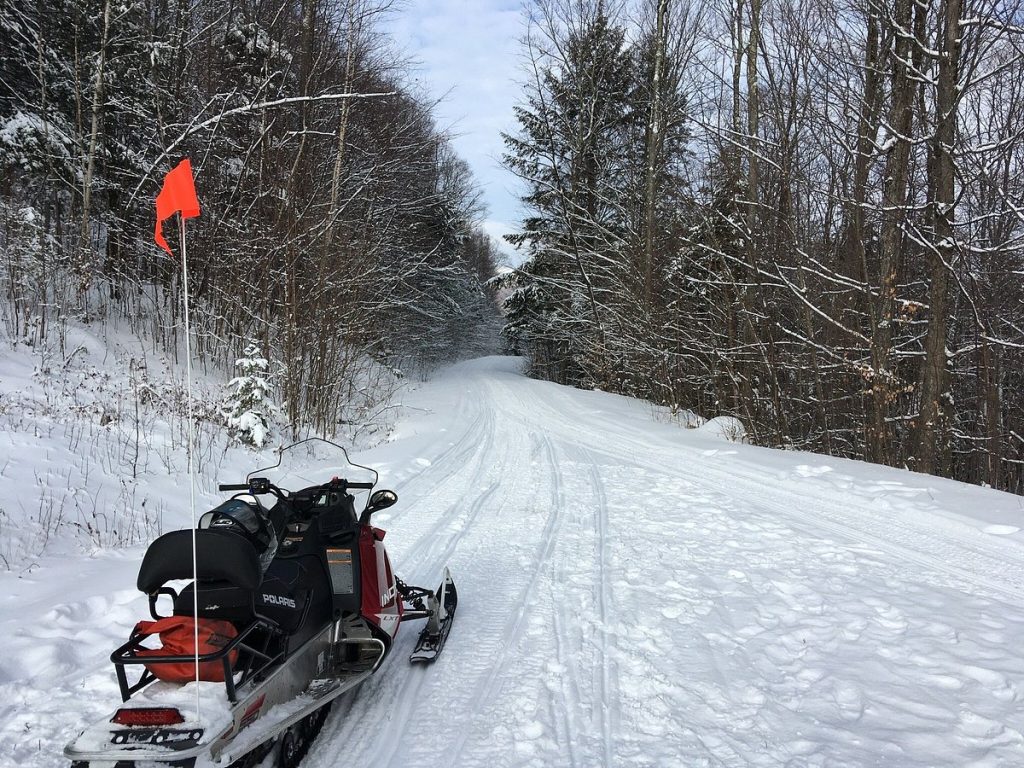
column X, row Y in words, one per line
column 833, row 252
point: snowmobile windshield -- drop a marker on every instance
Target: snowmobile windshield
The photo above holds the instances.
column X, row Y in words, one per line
column 314, row 461
column 248, row 519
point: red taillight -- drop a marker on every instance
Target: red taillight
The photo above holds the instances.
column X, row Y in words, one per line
column 148, row 716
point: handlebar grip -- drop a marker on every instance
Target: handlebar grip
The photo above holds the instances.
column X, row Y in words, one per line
column 233, row 486
column 358, row 486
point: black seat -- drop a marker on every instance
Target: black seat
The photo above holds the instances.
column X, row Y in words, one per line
column 228, row 570
column 220, row 556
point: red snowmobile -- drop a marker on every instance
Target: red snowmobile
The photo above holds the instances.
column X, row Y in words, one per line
column 295, row 602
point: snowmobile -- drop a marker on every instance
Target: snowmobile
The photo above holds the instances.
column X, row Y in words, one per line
column 294, row 602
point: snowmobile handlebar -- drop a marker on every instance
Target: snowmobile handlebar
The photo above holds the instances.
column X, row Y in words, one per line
column 260, row 485
column 257, row 486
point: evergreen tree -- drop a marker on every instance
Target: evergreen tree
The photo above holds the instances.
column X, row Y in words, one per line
column 569, row 151
column 248, row 409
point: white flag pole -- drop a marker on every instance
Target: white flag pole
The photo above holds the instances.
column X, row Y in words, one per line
column 191, row 462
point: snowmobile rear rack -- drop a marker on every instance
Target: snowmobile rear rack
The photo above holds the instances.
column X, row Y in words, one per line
column 126, row 656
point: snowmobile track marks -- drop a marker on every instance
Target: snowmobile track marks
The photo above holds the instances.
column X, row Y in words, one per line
column 604, row 604
column 982, row 562
column 513, row 630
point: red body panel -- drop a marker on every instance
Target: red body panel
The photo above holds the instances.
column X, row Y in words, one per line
column 380, row 603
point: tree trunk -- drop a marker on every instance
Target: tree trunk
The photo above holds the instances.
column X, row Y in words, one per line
column 880, row 446
column 655, row 138
column 83, row 260
column 932, row 421
column 867, row 135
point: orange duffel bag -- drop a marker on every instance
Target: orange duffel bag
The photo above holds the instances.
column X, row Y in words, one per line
column 177, row 635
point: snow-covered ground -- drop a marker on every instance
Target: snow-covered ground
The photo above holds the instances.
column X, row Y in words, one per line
column 631, row 594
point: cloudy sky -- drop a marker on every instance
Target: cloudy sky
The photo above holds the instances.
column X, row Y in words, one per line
column 467, row 54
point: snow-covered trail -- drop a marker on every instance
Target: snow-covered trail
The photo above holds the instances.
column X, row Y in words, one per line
column 633, row 594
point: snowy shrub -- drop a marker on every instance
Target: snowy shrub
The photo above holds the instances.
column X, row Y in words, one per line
column 247, row 407
column 725, row 428
column 24, row 245
column 677, row 415
column 28, row 142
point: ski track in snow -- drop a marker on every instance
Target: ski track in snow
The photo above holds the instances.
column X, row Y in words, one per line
column 981, row 560
column 630, row 595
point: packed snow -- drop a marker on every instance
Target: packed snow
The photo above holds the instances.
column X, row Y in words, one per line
column 632, row 593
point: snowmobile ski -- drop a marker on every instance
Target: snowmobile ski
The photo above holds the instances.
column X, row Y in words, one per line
column 432, row 639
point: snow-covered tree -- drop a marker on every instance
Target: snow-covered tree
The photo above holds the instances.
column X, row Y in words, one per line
column 804, row 214
column 568, row 150
column 248, row 408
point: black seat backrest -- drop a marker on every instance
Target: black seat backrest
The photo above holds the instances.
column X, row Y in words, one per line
column 220, row 556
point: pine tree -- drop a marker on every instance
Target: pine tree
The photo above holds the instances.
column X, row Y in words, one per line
column 248, row 409
column 569, row 151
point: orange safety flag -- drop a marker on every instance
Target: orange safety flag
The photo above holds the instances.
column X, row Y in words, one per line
column 178, row 195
